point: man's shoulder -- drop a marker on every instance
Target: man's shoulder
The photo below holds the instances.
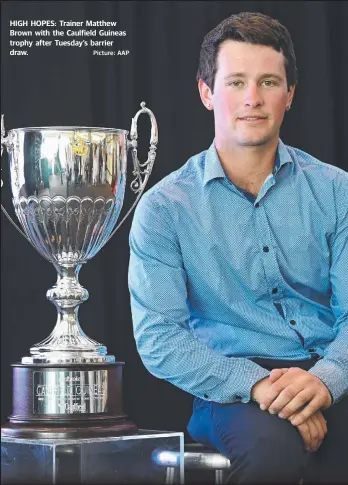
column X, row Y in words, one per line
column 180, row 180
column 315, row 167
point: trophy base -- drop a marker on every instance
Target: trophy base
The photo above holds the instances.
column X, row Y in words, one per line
column 67, row 401
column 52, row 432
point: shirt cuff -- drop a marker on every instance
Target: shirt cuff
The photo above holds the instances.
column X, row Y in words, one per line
column 333, row 376
column 251, row 374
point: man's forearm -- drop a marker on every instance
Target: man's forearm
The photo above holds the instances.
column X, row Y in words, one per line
column 332, row 369
column 175, row 355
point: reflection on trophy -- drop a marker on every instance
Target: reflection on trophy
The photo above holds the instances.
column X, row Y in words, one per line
column 68, row 186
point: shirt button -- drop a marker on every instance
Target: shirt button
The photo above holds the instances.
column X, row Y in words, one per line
column 292, row 322
column 206, row 395
column 238, row 397
column 274, row 291
column 311, row 350
column 257, row 205
column 265, row 249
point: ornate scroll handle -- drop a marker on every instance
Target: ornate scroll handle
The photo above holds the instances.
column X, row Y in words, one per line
column 141, row 171
column 6, row 141
column 139, row 183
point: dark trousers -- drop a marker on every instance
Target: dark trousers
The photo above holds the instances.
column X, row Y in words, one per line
column 265, row 449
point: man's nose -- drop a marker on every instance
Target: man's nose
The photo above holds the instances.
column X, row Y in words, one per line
column 253, row 96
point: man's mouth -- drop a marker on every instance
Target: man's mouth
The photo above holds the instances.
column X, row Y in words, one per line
column 252, row 118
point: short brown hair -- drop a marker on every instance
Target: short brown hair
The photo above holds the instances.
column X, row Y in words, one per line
column 253, row 28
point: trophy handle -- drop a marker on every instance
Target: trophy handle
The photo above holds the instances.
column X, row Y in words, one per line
column 5, row 142
column 141, row 171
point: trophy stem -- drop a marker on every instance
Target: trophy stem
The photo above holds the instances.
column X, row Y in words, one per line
column 67, row 342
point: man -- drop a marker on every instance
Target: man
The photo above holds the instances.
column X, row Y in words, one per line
column 238, row 273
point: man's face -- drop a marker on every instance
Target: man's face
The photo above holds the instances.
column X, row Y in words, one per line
column 250, row 82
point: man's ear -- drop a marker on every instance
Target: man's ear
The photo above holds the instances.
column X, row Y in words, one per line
column 291, row 93
column 205, row 94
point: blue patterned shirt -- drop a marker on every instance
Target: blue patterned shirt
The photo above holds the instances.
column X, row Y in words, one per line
column 217, row 276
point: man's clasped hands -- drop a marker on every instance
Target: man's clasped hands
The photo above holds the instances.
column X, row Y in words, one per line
column 298, row 396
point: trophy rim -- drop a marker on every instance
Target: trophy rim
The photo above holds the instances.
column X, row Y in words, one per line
column 69, row 128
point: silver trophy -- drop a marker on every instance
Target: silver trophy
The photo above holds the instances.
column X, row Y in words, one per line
column 68, row 185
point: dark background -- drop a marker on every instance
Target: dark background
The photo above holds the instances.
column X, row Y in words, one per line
column 69, row 86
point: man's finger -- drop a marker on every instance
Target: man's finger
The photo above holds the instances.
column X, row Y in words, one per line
column 307, row 412
column 305, row 434
column 321, row 423
column 298, row 402
column 287, row 396
column 270, row 396
column 313, row 435
column 275, row 389
column 276, row 374
column 316, row 433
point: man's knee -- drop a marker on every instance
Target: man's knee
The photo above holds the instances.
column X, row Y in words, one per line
column 262, row 448
column 268, row 459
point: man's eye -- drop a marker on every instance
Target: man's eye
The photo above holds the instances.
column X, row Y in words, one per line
column 235, row 83
column 269, row 82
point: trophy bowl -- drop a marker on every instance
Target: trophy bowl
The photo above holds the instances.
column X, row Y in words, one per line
column 68, row 185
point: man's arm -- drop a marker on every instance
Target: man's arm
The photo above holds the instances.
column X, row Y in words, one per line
column 333, row 368
column 327, row 381
column 159, row 304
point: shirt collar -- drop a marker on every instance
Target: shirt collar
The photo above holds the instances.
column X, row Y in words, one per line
column 213, row 168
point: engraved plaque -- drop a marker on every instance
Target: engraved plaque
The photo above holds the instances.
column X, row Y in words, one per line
column 70, row 392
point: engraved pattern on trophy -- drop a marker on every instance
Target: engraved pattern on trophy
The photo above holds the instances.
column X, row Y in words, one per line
column 68, row 186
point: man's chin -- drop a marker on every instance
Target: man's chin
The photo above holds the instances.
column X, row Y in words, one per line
column 254, row 141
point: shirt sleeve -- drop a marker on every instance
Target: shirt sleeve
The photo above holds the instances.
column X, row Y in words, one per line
column 160, row 313
column 332, row 369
